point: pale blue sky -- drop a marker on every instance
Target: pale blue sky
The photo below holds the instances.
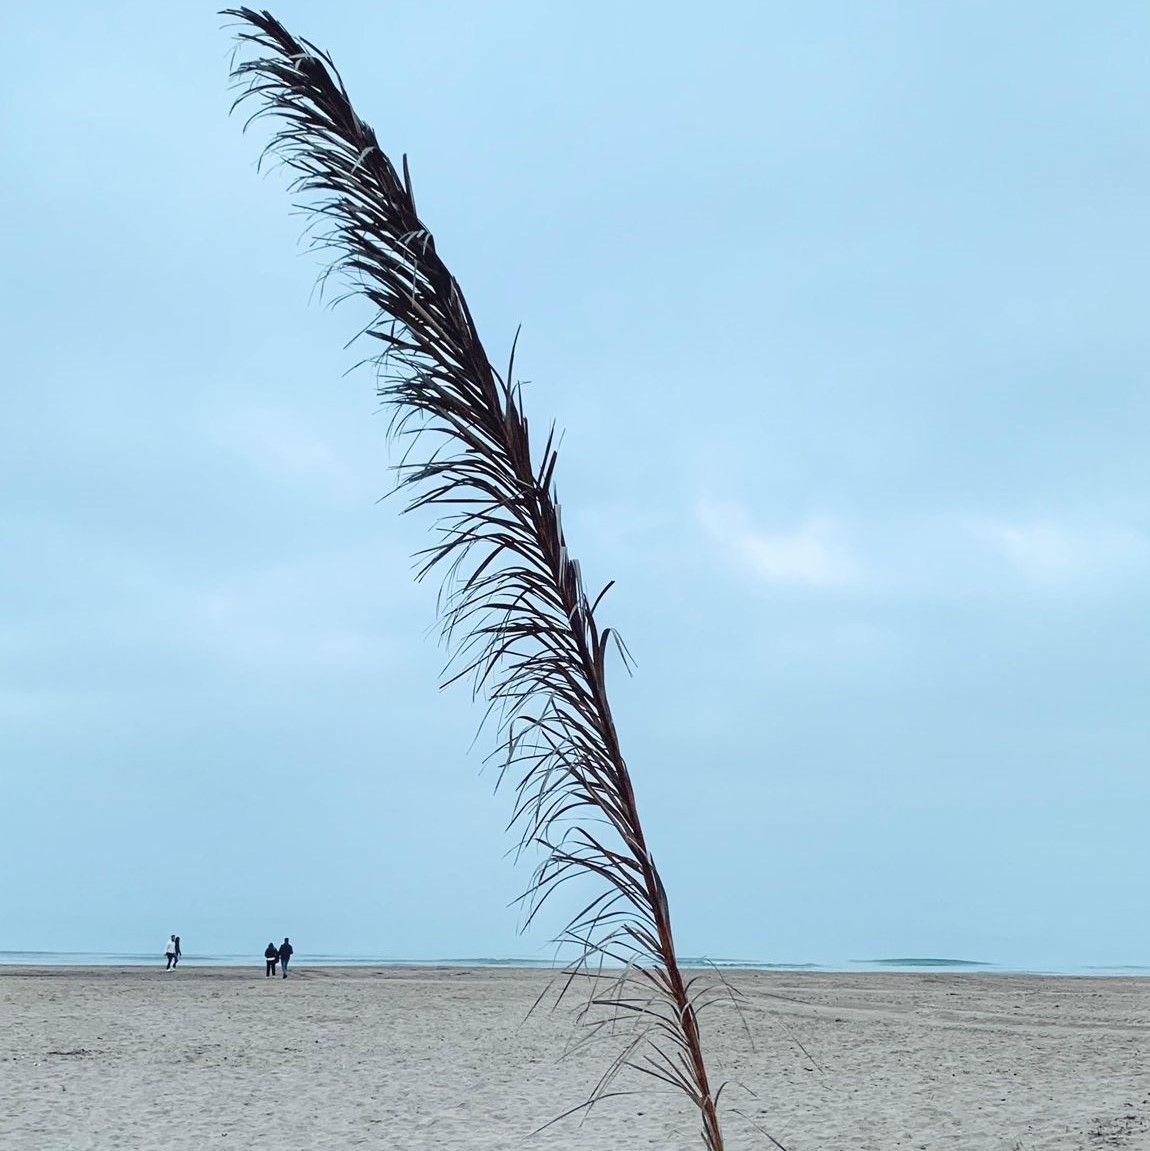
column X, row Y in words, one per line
column 843, row 310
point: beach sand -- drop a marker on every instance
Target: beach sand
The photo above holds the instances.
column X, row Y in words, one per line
column 442, row 1058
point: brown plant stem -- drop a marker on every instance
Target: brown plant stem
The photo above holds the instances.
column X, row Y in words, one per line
column 514, row 612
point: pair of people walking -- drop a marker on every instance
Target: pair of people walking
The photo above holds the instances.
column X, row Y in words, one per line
column 281, row 955
column 172, row 952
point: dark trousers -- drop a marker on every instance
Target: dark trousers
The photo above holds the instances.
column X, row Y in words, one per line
column 271, row 967
column 171, row 962
column 283, row 964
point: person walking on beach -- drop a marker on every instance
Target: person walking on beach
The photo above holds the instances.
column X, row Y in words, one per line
column 170, row 952
column 179, row 953
column 285, row 953
column 271, row 958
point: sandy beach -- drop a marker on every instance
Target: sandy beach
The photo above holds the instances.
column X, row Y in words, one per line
column 444, row 1058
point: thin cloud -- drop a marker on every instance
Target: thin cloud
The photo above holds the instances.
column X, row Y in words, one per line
column 1049, row 552
column 812, row 555
column 947, row 556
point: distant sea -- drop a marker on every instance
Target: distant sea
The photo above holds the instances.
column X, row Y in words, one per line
column 305, row 959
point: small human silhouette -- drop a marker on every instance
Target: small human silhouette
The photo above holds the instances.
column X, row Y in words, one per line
column 271, row 958
column 170, row 952
column 179, row 953
column 285, row 953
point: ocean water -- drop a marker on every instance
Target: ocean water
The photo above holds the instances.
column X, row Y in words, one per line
column 306, row 959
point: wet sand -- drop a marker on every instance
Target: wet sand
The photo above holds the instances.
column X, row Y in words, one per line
column 444, row 1058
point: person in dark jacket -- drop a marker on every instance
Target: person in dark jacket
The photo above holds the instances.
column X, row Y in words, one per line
column 271, row 958
column 179, row 953
column 285, row 953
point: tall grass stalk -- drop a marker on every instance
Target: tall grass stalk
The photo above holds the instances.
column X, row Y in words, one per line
column 514, row 611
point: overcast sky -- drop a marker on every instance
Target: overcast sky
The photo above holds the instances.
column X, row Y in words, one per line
column 843, row 308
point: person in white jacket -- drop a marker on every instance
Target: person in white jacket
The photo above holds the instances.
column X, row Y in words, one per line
column 170, row 952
